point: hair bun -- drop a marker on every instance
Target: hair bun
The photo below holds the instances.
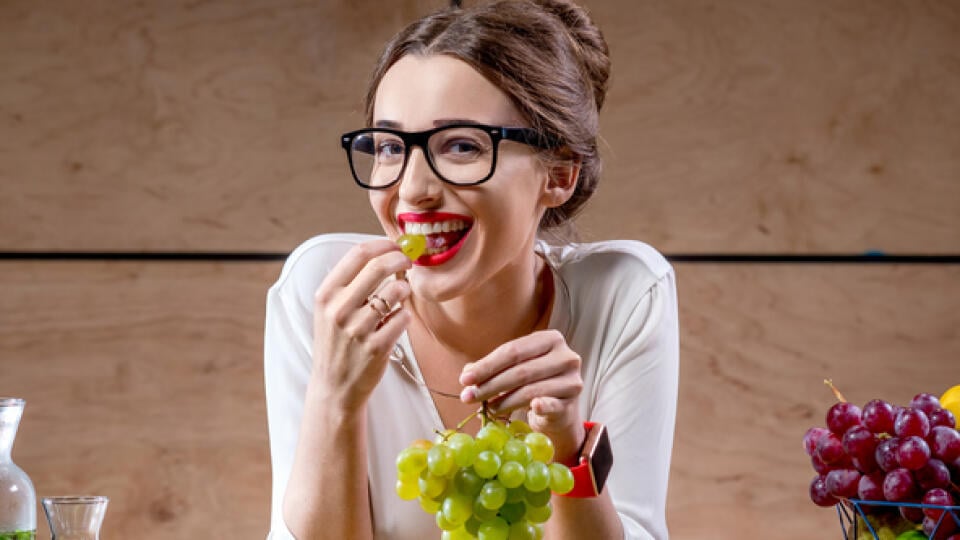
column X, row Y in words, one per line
column 594, row 53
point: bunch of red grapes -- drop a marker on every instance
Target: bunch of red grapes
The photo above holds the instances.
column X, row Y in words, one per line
column 885, row 452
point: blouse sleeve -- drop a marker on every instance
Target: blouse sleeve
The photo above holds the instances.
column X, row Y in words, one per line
column 286, row 372
column 637, row 400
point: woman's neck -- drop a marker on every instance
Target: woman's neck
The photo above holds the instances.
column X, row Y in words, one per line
column 513, row 303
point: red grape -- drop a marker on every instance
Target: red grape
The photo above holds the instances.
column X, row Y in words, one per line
column 819, row 465
column 945, row 529
column 934, row 474
column 819, row 494
column 830, row 449
column 843, row 483
column 944, row 443
column 859, row 442
column 939, row 497
column 925, row 402
column 899, row 485
column 911, row 422
column 870, row 487
column 878, row 416
column 913, row 452
column 842, row 416
column 886, row 454
column 942, row 417
column 911, row 513
column 811, row 437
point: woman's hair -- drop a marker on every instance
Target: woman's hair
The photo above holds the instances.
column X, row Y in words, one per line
column 546, row 55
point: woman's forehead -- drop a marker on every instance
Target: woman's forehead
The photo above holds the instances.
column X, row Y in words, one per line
column 419, row 91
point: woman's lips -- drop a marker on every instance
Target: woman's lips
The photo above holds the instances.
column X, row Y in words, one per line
column 445, row 233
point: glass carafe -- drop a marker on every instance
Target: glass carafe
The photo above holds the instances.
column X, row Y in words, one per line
column 75, row 517
column 18, row 500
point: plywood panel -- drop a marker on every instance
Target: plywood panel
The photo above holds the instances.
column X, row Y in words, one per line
column 750, row 126
column 144, row 382
column 757, row 342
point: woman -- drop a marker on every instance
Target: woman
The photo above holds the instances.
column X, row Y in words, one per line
column 483, row 136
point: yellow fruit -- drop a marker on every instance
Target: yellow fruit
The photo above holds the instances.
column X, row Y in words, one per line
column 412, row 245
column 950, row 400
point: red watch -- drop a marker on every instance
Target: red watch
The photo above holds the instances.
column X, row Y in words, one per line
column 593, row 466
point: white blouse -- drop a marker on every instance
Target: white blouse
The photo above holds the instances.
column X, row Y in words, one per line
column 616, row 304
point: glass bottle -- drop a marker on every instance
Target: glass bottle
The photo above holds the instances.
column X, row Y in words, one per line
column 75, row 517
column 18, row 500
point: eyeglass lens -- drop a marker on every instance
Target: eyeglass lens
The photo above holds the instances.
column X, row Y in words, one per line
column 459, row 155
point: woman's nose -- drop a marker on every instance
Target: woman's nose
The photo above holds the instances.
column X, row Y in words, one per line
column 419, row 185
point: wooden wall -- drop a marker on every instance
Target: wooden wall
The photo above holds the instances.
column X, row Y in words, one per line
column 749, row 127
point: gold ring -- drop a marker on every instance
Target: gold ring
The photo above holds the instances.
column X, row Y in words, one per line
column 383, row 310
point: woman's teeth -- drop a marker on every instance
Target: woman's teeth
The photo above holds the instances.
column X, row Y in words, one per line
column 435, row 227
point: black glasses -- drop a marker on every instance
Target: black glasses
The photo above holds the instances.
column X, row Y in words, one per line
column 460, row 154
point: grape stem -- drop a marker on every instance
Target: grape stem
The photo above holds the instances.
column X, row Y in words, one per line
column 840, row 398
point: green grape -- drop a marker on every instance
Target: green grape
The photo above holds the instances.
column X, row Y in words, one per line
column 538, row 498
column 468, row 481
column 443, row 523
column 539, row 514
column 464, row 449
column 561, row 479
column 472, row 525
column 487, row 464
column 407, row 491
column 538, row 528
column 482, row 513
column 516, row 494
column 516, row 450
column 511, row 474
column 440, row 460
column 522, row 530
column 431, row 485
column 429, row 505
column 513, row 512
column 518, row 428
column 457, row 534
column 541, row 447
column 495, row 529
column 457, row 508
column 412, row 245
column 492, row 437
column 493, row 495
column 409, row 476
column 538, row 476
column 411, row 460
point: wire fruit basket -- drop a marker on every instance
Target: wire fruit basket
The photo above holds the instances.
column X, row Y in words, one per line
column 849, row 510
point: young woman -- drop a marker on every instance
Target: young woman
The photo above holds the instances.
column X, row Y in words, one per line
column 483, row 136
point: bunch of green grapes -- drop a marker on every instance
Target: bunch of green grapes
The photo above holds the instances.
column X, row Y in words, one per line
column 496, row 486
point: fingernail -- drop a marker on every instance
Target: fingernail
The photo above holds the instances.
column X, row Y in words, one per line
column 467, row 376
column 468, row 394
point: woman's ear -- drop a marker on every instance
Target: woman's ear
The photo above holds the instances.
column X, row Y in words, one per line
column 562, row 179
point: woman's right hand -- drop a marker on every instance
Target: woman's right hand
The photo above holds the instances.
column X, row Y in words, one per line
column 351, row 339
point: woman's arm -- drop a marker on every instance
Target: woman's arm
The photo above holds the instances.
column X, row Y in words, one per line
column 316, row 405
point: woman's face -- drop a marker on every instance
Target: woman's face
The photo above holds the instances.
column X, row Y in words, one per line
column 500, row 216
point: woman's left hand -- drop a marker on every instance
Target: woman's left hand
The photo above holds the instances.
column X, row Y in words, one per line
column 538, row 371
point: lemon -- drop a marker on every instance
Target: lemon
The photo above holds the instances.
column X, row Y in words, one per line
column 950, row 400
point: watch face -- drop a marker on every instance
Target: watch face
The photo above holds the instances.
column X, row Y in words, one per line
column 600, row 455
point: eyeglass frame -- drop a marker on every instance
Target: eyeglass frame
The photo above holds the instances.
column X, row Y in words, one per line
column 523, row 135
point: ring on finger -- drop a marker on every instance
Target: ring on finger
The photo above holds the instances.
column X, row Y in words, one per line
column 379, row 305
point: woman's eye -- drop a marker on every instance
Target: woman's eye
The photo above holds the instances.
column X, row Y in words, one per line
column 389, row 149
column 462, row 147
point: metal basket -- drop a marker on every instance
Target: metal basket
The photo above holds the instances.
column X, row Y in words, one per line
column 848, row 511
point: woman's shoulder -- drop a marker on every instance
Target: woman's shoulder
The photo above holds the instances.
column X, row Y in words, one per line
column 613, row 262
column 309, row 262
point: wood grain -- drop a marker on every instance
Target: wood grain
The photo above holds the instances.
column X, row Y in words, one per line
column 144, row 383
column 757, row 342
column 750, row 126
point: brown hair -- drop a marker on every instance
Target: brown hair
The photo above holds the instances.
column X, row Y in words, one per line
column 547, row 55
